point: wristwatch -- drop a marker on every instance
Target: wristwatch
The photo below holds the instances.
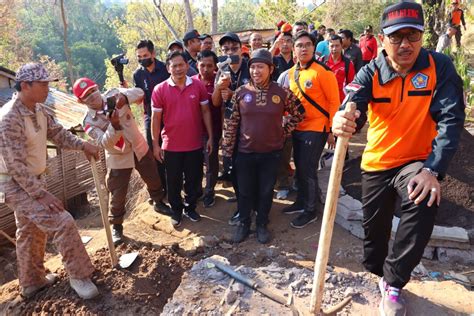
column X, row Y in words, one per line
column 431, row 171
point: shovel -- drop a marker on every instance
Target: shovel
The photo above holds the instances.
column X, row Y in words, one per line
column 327, row 226
column 127, row 259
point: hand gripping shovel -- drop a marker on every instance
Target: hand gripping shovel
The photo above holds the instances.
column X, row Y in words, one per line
column 327, row 227
column 127, row 259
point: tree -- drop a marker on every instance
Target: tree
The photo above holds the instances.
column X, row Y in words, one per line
column 272, row 11
column 214, row 11
column 67, row 52
column 164, row 18
column 434, row 17
column 237, row 15
column 189, row 15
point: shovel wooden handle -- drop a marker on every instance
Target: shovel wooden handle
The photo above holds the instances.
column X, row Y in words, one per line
column 327, row 225
column 104, row 209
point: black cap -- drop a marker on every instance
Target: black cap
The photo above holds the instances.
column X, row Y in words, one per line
column 175, row 42
column 369, row 28
column 203, row 36
column 229, row 36
column 261, row 55
column 191, row 35
column 401, row 15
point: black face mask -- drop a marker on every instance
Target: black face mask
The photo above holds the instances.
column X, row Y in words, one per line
column 145, row 62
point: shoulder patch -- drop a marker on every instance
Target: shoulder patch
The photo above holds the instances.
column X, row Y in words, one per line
column 420, row 81
column 247, row 98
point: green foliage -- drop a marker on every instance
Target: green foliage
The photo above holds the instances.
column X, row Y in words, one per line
column 271, row 12
column 238, row 15
column 89, row 61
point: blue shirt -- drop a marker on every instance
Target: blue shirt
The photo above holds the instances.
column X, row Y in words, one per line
column 323, row 48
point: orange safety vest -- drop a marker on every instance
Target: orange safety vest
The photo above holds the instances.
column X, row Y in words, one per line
column 401, row 128
column 456, row 17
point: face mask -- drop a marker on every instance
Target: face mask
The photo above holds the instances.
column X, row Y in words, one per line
column 145, row 62
column 94, row 101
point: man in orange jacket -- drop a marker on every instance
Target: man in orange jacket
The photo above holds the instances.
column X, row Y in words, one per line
column 316, row 87
column 456, row 17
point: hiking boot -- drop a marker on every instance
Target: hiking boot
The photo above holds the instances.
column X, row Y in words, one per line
column 30, row 291
column 241, row 232
column 303, row 219
column 117, row 234
column 192, row 215
column 234, row 220
column 391, row 304
column 282, row 194
column 293, row 209
column 263, row 234
column 209, row 200
column 163, row 208
column 176, row 220
column 84, row 288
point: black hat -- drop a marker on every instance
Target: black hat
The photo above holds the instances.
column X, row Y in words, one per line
column 191, row 35
column 261, row 55
column 204, row 36
column 369, row 28
column 402, row 15
column 175, row 42
column 229, row 36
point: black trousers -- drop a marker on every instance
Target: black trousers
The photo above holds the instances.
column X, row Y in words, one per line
column 189, row 164
column 458, row 35
column 380, row 193
column 211, row 161
column 307, row 149
column 257, row 173
column 159, row 165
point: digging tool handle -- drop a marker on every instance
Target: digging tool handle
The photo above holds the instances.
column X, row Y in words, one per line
column 104, row 210
column 234, row 274
column 327, row 226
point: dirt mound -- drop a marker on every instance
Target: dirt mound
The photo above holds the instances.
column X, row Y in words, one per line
column 142, row 289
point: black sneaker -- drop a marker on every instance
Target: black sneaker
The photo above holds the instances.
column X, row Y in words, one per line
column 241, row 232
column 209, row 200
column 263, row 234
column 293, row 209
column 192, row 215
column 176, row 220
column 163, row 208
column 303, row 219
column 117, row 234
column 234, row 220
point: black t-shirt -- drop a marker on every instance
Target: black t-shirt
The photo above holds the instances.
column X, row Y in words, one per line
column 191, row 61
column 147, row 81
column 280, row 66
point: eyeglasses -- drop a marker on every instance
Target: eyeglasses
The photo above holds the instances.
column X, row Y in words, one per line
column 302, row 46
column 226, row 50
column 397, row 38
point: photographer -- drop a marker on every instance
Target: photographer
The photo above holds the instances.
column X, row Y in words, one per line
column 111, row 123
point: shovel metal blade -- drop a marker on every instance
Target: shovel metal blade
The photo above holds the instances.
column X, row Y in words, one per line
column 127, row 259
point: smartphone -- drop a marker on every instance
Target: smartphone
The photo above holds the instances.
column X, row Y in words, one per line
column 111, row 102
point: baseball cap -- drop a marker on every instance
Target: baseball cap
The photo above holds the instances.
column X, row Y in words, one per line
column 33, row 72
column 229, row 36
column 175, row 42
column 261, row 55
column 203, row 36
column 191, row 35
column 82, row 86
column 402, row 15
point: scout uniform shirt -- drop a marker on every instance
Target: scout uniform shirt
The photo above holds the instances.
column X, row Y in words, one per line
column 120, row 145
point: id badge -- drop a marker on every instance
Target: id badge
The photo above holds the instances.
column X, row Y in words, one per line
column 2, row 197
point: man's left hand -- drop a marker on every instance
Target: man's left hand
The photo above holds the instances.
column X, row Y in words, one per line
column 422, row 185
column 209, row 146
column 90, row 151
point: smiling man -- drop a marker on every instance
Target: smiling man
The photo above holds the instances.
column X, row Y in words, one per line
column 414, row 103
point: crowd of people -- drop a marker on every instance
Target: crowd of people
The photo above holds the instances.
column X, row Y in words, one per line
column 260, row 111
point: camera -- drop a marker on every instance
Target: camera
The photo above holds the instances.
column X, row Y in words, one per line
column 111, row 102
column 118, row 62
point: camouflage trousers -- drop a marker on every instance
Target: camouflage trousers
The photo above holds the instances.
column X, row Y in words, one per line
column 34, row 224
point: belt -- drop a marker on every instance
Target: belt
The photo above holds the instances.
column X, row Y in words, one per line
column 5, row 177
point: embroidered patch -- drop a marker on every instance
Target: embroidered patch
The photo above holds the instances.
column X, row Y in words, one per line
column 420, row 81
column 248, row 98
column 83, row 84
column 192, row 96
column 308, row 84
column 276, row 99
column 245, row 81
column 353, row 87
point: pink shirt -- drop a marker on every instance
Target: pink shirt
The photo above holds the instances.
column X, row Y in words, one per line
column 182, row 116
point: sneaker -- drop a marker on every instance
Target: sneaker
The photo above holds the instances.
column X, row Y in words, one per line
column 84, row 288
column 209, row 200
column 391, row 304
column 232, row 199
column 192, row 215
column 176, row 220
column 241, row 232
column 30, row 291
column 282, row 194
column 303, row 219
column 234, row 220
column 293, row 209
column 163, row 208
column 117, row 234
column 263, row 234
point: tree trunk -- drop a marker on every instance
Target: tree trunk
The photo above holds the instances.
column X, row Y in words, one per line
column 189, row 15
column 434, row 18
column 67, row 52
column 165, row 19
column 214, row 17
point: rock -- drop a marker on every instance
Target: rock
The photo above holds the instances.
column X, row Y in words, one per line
column 230, row 297
column 354, row 227
column 238, row 287
column 260, row 256
column 429, row 252
column 333, row 279
column 350, row 203
column 225, row 245
column 350, row 291
column 350, row 215
column 465, row 257
column 272, row 251
column 296, row 285
column 205, row 241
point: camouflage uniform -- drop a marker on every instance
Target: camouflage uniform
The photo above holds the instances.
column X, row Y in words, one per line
column 125, row 149
column 23, row 136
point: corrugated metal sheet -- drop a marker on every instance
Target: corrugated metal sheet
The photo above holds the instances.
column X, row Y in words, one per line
column 62, row 106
